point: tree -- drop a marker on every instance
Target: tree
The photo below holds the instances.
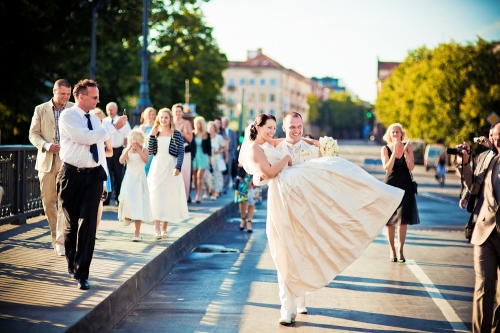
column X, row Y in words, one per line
column 187, row 51
column 443, row 95
column 53, row 41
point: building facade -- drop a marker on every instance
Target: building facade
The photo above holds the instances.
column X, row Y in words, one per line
column 262, row 85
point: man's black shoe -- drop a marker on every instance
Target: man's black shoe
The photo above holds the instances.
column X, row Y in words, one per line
column 71, row 273
column 83, row 284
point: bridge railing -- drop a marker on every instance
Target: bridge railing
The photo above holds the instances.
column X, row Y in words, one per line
column 20, row 184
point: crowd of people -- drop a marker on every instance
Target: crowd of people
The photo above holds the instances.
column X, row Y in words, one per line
column 148, row 171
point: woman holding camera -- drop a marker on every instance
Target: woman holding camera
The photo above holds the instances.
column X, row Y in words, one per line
column 398, row 161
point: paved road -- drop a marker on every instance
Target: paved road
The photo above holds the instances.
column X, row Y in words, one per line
column 235, row 290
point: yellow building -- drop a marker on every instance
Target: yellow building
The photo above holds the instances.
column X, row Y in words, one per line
column 262, row 85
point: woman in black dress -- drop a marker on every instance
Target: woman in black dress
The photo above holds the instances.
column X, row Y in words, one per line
column 397, row 159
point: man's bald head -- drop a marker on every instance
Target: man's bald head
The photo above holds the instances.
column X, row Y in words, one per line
column 112, row 109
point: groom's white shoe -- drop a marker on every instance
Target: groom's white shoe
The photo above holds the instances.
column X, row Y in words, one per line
column 286, row 320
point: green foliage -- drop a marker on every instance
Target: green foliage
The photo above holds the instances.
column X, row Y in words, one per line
column 53, row 41
column 343, row 117
column 313, row 102
column 443, row 95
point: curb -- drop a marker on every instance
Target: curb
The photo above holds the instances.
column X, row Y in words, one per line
column 107, row 314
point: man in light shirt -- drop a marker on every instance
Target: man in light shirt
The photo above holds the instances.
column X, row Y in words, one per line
column 81, row 181
column 118, row 141
column 44, row 135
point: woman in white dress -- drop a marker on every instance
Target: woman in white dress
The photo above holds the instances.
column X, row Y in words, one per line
column 321, row 215
column 166, row 188
column 134, row 203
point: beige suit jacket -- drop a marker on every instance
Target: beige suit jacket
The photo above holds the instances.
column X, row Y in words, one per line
column 487, row 206
column 43, row 130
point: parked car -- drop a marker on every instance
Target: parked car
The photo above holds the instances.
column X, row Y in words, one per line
column 431, row 155
column 418, row 146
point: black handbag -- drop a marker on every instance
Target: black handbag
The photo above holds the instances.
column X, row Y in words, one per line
column 414, row 183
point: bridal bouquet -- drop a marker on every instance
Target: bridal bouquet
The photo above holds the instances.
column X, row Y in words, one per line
column 328, row 146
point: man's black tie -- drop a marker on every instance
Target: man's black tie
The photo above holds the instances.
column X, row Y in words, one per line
column 93, row 148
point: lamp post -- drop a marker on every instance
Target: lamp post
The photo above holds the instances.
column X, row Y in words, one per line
column 144, row 100
column 94, row 4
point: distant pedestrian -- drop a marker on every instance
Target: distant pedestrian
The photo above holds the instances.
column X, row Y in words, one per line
column 108, row 148
column 44, row 134
column 134, row 196
column 148, row 118
column 166, row 188
column 398, row 162
column 231, row 154
column 203, row 158
column 184, row 126
column 119, row 141
column 81, row 181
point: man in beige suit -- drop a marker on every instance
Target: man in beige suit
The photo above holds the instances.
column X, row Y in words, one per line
column 486, row 240
column 44, row 135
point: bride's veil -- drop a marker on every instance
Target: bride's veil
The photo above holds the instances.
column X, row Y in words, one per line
column 244, row 157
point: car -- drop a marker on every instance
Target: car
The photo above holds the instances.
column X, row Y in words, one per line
column 431, row 155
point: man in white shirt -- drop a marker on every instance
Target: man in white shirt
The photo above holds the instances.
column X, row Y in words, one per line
column 44, row 135
column 81, row 181
column 118, row 141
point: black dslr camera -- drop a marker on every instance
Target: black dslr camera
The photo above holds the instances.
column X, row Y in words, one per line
column 456, row 151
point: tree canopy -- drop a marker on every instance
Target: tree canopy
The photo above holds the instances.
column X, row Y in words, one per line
column 444, row 95
column 48, row 41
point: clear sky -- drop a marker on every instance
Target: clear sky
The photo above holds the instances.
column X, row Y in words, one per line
column 343, row 38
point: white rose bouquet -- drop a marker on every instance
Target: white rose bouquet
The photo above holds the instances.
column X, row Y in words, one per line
column 328, row 146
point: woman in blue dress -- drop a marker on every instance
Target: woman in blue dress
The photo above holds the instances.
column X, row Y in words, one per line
column 148, row 117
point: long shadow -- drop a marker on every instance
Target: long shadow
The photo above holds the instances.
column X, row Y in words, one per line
column 402, row 322
column 398, row 291
column 400, row 283
column 382, row 241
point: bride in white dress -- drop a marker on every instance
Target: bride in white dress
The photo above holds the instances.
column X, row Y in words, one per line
column 321, row 215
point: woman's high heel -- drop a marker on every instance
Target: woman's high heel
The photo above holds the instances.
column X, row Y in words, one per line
column 243, row 223
column 249, row 229
column 393, row 259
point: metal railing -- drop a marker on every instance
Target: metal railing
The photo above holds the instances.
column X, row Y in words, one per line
column 21, row 187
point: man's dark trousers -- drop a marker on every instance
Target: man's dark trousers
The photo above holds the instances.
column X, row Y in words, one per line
column 79, row 193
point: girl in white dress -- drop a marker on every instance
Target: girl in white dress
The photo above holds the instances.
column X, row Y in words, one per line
column 321, row 215
column 166, row 188
column 134, row 201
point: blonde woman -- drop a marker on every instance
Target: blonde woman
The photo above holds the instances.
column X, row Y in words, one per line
column 108, row 148
column 203, row 157
column 398, row 162
column 134, row 203
column 148, row 117
column 166, row 188
column 184, row 126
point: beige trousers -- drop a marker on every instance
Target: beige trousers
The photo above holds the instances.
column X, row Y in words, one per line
column 49, row 200
column 486, row 301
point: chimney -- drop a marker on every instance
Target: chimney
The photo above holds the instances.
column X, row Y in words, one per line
column 253, row 54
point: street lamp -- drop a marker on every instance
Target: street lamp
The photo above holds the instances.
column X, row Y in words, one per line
column 94, row 4
column 144, row 100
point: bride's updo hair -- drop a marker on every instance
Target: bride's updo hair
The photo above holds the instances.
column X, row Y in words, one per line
column 259, row 121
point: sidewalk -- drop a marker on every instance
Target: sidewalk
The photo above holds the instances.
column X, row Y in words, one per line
column 38, row 295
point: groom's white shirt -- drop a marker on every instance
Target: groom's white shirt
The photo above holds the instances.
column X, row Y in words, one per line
column 301, row 152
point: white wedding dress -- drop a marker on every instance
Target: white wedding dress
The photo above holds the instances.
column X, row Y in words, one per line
column 321, row 216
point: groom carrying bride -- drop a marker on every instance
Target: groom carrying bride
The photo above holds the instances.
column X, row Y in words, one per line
column 301, row 152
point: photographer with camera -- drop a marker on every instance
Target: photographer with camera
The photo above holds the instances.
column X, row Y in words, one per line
column 483, row 184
